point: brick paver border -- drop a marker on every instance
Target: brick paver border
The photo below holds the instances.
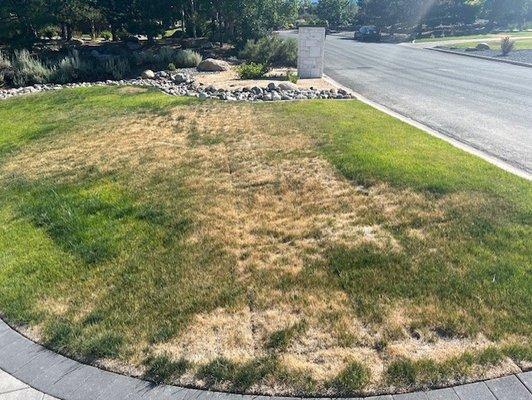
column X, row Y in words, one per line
column 54, row 375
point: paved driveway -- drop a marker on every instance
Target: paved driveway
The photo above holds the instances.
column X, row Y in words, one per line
column 485, row 104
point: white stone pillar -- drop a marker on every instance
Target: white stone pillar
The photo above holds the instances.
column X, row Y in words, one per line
column 310, row 51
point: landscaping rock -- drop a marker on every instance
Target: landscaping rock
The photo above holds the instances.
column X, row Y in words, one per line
column 148, row 74
column 483, row 46
column 272, row 86
column 212, row 65
column 184, row 86
column 288, row 86
column 181, row 78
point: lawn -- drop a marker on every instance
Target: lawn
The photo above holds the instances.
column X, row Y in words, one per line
column 495, row 44
column 486, row 36
column 317, row 247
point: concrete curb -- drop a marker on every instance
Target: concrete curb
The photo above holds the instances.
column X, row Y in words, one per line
column 66, row 379
column 453, row 141
column 458, row 53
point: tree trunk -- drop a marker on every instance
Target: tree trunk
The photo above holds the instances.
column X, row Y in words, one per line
column 113, row 33
column 193, row 18
column 183, row 22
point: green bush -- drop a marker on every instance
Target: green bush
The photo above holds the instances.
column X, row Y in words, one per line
column 29, row 70
column 106, row 35
column 49, row 31
column 292, row 76
column 271, row 51
column 171, row 67
column 252, row 71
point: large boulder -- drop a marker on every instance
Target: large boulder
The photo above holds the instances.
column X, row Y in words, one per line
column 212, row 65
column 483, row 46
column 148, row 74
column 288, row 86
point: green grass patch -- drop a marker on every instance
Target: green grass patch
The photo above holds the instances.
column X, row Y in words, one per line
column 162, row 368
column 481, row 36
column 281, row 339
column 495, row 44
column 352, row 378
column 426, row 372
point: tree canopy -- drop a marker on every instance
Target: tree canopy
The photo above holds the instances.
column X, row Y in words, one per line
column 239, row 20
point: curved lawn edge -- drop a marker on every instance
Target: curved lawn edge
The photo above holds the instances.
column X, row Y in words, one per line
column 59, row 376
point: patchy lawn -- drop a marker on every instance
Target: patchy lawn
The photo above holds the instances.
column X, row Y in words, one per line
column 315, row 247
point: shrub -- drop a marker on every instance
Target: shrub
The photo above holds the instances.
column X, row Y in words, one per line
column 252, row 71
column 291, row 76
column 271, row 51
column 72, row 68
column 49, row 31
column 354, row 377
column 171, row 67
column 187, row 59
column 5, row 68
column 164, row 56
column 117, row 67
column 507, row 45
column 106, row 35
column 29, row 70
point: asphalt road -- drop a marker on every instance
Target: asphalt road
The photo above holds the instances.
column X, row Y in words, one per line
column 485, row 104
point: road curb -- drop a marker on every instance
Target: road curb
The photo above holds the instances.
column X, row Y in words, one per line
column 453, row 141
column 521, row 64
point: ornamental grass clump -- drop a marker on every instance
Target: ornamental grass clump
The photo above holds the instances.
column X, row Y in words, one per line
column 29, row 70
column 507, row 45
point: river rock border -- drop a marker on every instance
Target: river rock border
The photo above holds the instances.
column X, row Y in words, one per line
column 184, row 85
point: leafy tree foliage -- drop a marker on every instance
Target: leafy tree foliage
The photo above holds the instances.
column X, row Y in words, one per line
column 238, row 20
